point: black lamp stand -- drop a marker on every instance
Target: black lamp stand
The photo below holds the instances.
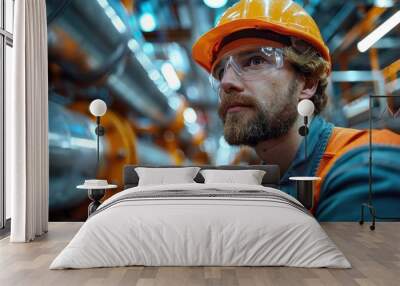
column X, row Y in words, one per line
column 99, row 132
column 305, row 187
column 95, row 195
column 369, row 204
column 303, row 131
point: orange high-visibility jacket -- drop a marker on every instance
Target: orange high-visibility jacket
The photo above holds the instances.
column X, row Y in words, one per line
column 343, row 140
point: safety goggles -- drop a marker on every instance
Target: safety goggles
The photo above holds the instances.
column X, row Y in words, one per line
column 249, row 64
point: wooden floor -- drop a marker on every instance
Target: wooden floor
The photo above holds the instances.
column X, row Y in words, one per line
column 374, row 255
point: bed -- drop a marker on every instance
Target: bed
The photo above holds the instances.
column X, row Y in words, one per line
column 201, row 224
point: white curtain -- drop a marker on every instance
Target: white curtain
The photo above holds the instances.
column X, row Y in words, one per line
column 27, row 124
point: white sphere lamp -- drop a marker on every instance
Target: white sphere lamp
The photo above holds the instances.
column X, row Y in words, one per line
column 305, row 107
column 215, row 3
column 98, row 107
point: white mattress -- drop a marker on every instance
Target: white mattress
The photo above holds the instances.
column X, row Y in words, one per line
column 183, row 231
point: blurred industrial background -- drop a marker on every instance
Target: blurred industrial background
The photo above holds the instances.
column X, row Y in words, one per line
column 135, row 55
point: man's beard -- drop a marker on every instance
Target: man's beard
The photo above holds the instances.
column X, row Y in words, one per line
column 265, row 125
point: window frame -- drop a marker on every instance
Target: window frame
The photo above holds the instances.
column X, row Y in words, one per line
column 6, row 39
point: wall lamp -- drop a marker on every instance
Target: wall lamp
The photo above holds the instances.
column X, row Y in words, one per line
column 98, row 108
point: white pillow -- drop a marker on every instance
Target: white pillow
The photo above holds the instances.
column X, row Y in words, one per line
column 249, row 177
column 162, row 176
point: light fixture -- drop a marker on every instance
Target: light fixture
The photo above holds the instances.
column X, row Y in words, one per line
column 384, row 3
column 147, row 22
column 305, row 184
column 133, row 45
column 98, row 108
column 190, row 115
column 369, row 203
column 174, row 102
column 379, row 32
column 170, row 76
column 115, row 19
column 305, row 108
column 215, row 3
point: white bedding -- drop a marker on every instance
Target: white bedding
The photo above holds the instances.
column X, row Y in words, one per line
column 182, row 231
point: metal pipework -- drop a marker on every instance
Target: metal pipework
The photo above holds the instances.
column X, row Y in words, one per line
column 86, row 44
column 72, row 158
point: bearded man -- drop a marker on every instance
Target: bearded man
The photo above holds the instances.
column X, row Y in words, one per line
column 264, row 56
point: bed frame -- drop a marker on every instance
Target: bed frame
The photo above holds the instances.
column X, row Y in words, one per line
column 270, row 179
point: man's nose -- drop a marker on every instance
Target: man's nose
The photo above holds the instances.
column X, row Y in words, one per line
column 231, row 81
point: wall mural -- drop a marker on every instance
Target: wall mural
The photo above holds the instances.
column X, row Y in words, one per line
column 100, row 49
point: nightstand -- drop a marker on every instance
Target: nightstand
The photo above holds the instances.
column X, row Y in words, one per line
column 96, row 190
column 305, row 190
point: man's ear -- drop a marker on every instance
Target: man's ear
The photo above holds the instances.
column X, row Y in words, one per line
column 309, row 88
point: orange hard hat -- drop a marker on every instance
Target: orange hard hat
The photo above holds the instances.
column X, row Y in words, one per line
column 280, row 16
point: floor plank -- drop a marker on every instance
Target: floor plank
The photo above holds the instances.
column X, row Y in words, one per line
column 374, row 255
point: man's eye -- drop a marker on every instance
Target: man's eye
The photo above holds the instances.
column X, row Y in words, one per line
column 255, row 61
column 220, row 73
